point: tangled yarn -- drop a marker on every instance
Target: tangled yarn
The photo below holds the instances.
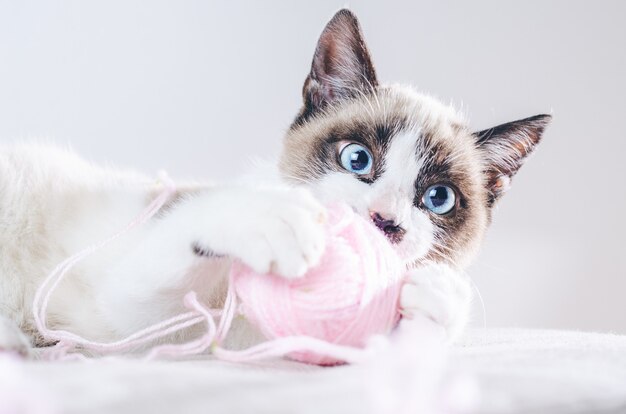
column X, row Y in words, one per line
column 325, row 317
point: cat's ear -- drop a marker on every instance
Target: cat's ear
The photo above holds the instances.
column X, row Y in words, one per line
column 341, row 67
column 504, row 149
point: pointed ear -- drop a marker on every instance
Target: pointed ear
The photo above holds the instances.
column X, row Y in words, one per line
column 341, row 65
column 505, row 148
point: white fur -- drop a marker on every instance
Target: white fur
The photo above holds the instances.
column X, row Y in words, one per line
column 440, row 292
column 12, row 340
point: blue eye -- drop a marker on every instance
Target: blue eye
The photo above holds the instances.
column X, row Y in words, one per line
column 356, row 158
column 440, row 199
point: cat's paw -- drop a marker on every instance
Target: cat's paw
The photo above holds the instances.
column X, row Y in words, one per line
column 272, row 230
column 12, row 340
column 440, row 293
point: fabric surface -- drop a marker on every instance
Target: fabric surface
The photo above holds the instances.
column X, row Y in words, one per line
column 503, row 371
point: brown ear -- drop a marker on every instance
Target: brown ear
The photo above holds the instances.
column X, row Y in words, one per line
column 505, row 147
column 341, row 66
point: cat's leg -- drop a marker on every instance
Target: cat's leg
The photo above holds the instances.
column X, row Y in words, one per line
column 12, row 339
column 275, row 230
column 270, row 229
column 441, row 293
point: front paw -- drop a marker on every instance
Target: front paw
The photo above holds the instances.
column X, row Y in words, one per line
column 440, row 293
column 272, row 230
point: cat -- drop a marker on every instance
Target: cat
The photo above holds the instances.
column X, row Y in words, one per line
column 401, row 159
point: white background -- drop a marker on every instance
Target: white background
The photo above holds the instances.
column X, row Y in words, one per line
column 196, row 88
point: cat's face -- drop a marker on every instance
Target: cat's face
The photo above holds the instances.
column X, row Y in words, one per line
column 403, row 160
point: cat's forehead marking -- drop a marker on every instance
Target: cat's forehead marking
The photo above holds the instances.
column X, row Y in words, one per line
column 401, row 162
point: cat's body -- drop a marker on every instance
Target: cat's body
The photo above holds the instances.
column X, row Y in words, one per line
column 403, row 160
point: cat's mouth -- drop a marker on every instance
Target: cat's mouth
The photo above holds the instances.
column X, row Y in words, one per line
column 395, row 236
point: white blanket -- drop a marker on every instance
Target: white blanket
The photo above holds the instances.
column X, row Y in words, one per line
column 494, row 371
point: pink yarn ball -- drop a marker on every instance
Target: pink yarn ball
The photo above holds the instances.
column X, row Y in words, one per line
column 349, row 296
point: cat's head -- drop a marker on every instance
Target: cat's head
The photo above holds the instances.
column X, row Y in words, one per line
column 401, row 159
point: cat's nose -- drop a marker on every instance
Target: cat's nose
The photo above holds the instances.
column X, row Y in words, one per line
column 392, row 230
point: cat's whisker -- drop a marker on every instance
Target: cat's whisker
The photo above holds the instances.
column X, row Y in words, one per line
column 372, row 89
column 294, row 178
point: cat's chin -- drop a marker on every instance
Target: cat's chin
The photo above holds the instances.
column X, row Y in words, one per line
column 412, row 256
